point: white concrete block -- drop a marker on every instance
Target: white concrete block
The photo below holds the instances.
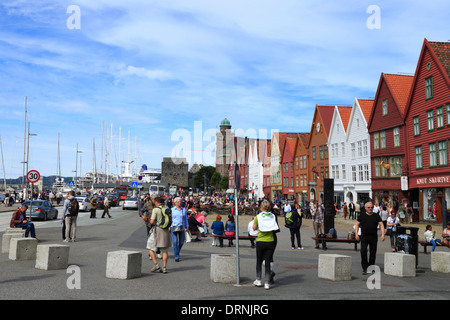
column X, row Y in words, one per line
column 440, row 261
column 6, row 240
column 52, row 256
column 223, row 268
column 14, row 230
column 23, row 248
column 399, row 264
column 124, row 264
column 335, row 267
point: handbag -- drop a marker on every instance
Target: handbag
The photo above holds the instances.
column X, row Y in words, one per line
column 177, row 229
column 388, row 232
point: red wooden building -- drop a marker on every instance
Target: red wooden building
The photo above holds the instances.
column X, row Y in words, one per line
column 388, row 139
column 287, row 168
column 428, row 130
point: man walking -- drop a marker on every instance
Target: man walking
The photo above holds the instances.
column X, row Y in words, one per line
column 93, row 206
column 368, row 221
column 70, row 214
column 351, row 208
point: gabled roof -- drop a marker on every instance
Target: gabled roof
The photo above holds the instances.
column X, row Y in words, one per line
column 345, row 112
column 302, row 138
column 289, row 143
column 366, row 107
column 440, row 51
column 282, row 137
column 326, row 113
column 399, row 86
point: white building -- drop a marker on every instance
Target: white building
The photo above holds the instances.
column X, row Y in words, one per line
column 358, row 171
column 255, row 170
column 338, row 152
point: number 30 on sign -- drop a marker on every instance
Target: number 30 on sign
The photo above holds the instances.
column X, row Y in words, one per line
column 33, row 176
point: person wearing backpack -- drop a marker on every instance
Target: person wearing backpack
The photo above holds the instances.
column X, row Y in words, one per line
column 70, row 214
column 293, row 222
column 159, row 236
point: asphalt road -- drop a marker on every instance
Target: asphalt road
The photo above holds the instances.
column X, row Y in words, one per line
column 188, row 281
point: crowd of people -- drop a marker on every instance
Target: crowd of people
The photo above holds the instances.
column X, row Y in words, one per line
column 188, row 223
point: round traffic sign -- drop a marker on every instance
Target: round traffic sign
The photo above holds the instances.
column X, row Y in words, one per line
column 33, row 176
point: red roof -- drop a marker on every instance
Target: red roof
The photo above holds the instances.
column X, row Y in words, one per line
column 442, row 51
column 400, row 86
column 326, row 112
column 366, row 107
column 345, row 112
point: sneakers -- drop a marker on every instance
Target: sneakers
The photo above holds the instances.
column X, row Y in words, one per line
column 156, row 268
column 164, row 270
column 257, row 283
column 266, row 286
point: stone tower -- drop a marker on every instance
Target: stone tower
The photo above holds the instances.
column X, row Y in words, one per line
column 224, row 147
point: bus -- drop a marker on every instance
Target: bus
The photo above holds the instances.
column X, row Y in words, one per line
column 157, row 190
column 122, row 191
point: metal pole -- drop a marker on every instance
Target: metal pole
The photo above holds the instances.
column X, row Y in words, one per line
column 237, row 236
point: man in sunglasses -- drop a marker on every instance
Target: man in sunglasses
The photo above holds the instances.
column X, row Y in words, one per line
column 369, row 223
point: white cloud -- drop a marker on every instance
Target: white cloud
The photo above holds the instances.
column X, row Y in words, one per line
column 150, row 74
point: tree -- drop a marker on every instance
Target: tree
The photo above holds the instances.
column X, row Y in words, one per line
column 215, row 180
column 202, row 176
column 223, row 185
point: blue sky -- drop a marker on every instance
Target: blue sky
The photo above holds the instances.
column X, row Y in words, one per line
column 155, row 68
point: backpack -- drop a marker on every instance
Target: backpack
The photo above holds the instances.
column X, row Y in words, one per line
column 166, row 220
column 73, row 207
column 289, row 218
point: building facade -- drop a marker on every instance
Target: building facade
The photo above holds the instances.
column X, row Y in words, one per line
column 301, row 168
column 428, row 130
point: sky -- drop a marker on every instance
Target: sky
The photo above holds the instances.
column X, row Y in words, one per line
column 162, row 75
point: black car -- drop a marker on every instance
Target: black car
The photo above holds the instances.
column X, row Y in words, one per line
column 41, row 209
column 113, row 199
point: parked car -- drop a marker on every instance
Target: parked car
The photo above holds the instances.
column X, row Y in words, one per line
column 42, row 210
column 83, row 203
column 113, row 199
column 130, row 203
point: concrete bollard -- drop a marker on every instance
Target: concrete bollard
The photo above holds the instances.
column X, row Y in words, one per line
column 23, row 248
column 14, row 230
column 440, row 261
column 52, row 256
column 223, row 268
column 6, row 240
column 335, row 267
column 123, row 264
column 399, row 264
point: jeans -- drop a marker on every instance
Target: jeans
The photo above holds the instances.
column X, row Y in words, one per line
column 264, row 252
column 295, row 233
column 178, row 241
column 29, row 227
column 433, row 242
column 71, row 227
column 371, row 242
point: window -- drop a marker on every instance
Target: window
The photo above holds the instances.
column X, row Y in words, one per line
column 366, row 172
column 433, row 155
column 383, row 169
column 396, row 137
column 359, row 149
column 376, row 140
column 383, row 139
column 314, row 153
column 416, row 126
column 296, row 164
column 321, row 152
column 326, row 173
column 353, row 150
column 377, row 167
column 304, row 162
column 365, row 148
column 448, row 114
column 325, row 150
column 443, row 160
column 296, row 181
column 385, row 107
column 440, row 117
column 419, row 159
column 322, row 173
column 395, row 168
column 429, row 88
column 430, row 120
column 343, row 148
column 354, row 173
column 361, row 172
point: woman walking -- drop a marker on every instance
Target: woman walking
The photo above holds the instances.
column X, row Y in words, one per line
column 267, row 226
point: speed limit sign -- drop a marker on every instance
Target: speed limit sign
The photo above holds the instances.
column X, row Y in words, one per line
column 33, row 176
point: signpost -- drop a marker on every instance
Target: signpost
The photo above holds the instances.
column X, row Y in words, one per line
column 33, row 176
column 237, row 186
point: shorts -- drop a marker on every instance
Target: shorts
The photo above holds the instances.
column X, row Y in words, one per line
column 151, row 243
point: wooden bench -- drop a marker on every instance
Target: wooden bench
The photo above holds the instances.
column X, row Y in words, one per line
column 325, row 240
column 223, row 236
column 425, row 244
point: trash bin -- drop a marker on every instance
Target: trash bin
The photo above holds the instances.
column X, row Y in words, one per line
column 408, row 242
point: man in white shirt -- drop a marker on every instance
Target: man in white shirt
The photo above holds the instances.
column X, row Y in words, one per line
column 287, row 207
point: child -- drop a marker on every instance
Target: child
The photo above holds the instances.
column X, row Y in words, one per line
column 429, row 236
